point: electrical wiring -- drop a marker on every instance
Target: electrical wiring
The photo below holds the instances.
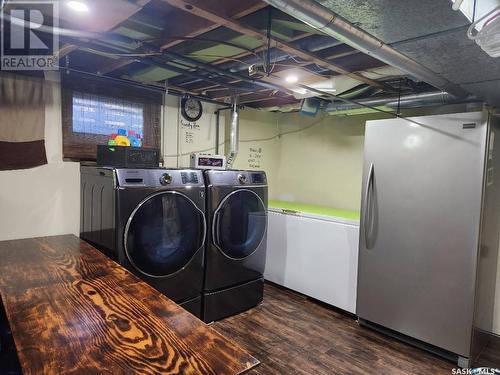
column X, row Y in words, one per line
column 239, row 46
column 263, row 57
column 267, row 62
column 279, row 135
column 193, row 152
column 375, row 73
column 295, row 59
column 112, row 54
column 271, row 68
column 219, row 57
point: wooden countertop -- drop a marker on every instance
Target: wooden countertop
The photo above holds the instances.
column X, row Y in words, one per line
column 72, row 310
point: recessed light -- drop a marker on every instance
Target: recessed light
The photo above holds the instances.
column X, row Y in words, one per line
column 78, row 6
column 291, row 78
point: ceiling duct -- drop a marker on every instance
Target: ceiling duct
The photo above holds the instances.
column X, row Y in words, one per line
column 328, row 22
column 234, row 131
column 408, row 101
column 427, row 99
column 342, row 83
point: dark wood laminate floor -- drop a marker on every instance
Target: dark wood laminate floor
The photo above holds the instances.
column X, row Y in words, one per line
column 290, row 334
column 490, row 355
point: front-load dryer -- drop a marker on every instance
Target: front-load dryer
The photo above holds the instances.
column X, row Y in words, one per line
column 236, row 246
column 151, row 221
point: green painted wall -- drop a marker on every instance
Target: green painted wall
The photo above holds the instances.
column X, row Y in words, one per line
column 316, row 161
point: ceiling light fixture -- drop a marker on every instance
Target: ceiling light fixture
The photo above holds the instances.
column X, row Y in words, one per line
column 78, row 6
column 291, row 78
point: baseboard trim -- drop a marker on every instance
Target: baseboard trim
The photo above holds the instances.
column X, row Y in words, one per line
column 452, row 357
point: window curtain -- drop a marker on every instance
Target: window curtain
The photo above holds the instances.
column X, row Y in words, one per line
column 83, row 146
column 22, row 122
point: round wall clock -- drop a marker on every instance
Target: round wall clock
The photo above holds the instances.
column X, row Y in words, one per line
column 191, row 109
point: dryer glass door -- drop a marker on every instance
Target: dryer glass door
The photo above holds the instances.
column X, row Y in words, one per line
column 240, row 224
column 164, row 233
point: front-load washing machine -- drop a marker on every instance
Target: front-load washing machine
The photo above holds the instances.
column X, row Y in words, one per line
column 151, row 221
column 236, row 246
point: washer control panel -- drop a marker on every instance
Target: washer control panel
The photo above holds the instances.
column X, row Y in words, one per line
column 190, row 178
column 168, row 178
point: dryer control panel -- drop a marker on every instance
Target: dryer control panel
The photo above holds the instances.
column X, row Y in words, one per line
column 236, row 178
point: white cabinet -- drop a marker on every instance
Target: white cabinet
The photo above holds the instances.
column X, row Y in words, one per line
column 316, row 256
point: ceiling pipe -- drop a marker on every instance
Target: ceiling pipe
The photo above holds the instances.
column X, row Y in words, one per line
column 157, row 62
column 222, row 72
column 212, row 69
column 408, row 101
column 140, row 85
column 358, row 91
column 312, row 44
column 330, row 23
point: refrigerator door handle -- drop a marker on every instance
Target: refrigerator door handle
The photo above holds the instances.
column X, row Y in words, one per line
column 366, row 213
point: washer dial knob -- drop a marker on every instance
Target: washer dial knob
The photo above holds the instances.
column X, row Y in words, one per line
column 165, row 179
column 242, row 179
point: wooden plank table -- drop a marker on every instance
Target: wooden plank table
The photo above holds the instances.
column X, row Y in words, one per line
column 72, row 310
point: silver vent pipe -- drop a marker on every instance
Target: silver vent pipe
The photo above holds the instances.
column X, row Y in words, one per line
column 330, row 23
column 407, row 101
column 234, row 132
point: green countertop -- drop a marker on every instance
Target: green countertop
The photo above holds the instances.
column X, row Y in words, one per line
column 314, row 209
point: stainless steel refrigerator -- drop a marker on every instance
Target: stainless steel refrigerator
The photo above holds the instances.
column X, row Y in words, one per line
column 425, row 232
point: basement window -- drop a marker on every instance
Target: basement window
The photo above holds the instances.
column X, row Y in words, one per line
column 96, row 110
column 94, row 114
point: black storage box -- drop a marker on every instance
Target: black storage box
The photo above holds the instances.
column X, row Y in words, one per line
column 127, row 157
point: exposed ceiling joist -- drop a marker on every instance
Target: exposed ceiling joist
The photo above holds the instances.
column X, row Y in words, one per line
column 112, row 22
column 342, row 54
column 91, row 47
column 257, row 50
column 115, row 65
column 259, row 95
column 180, row 89
column 218, row 70
column 245, row 54
column 176, row 89
column 195, row 33
column 287, row 47
column 170, row 43
column 66, row 49
column 331, row 23
column 275, row 101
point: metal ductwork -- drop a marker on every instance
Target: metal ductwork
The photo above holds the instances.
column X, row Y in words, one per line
column 234, row 131
column 407, row 101
column 311, row 44
column 330, row 23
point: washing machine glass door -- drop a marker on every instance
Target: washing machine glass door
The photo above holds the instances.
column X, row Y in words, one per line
column 164, row 233
column 239, row 224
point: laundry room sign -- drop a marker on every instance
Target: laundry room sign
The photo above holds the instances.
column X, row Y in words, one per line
column 254, row 157
column 190, row 129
